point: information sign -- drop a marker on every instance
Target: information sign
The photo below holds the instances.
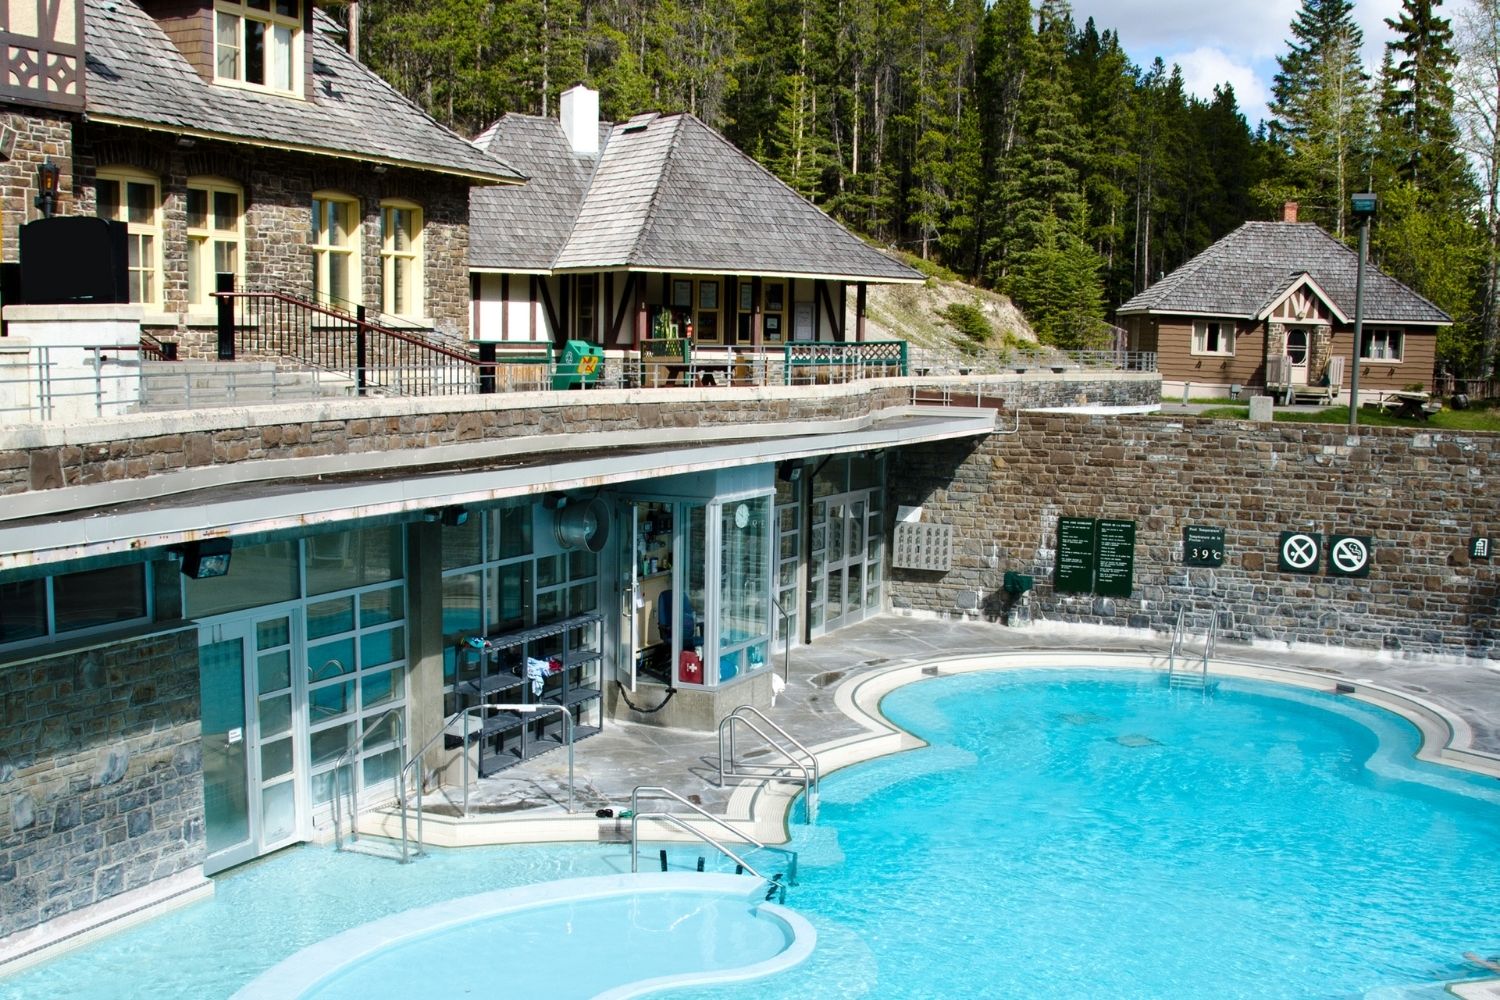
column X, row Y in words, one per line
column 1074, row 573
column 1114, row 550
column 1299, row 552
column 1479, row 548
column 1349, row 555
column 1202, row 545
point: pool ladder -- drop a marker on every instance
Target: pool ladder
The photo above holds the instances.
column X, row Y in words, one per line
column 798, row 758
column 776, row 884
column 1189, row 674
column 349, row 793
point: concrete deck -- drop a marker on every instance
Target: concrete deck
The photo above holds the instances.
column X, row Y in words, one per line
column 1462, row 698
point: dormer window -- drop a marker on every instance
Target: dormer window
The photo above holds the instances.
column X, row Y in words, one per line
column 258, row 43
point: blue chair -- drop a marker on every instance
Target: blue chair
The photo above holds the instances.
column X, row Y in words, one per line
column 664, row 604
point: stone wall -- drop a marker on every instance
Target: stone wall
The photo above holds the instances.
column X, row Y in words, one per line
column 278, row 189
column 40, row 136
column 101, row 787
column 1421, row 496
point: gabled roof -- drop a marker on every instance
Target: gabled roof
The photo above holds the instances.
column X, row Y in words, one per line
column 1295, row 283
column 1244, row 273
column 138, row 77
column 666, row 193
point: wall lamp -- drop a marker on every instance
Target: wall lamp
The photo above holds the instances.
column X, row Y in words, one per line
column 48, row 176
column 452, row 517
column 205, row 559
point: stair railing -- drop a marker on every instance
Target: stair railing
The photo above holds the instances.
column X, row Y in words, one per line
column 350, row 757
column 731, row 767
column 658, row 791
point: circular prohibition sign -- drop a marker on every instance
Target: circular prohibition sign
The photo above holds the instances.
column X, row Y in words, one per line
column 1350, row 555
column 1300, row 551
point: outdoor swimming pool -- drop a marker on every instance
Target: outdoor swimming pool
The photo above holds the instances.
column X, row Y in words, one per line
column 1069, row 833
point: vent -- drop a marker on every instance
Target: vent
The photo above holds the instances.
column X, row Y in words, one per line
column 920, row 545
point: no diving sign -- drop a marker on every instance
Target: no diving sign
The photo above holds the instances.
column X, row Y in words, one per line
column 1300, row 551
column 1349, row 555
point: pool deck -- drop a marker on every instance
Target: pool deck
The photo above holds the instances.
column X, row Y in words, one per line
column 515, row 804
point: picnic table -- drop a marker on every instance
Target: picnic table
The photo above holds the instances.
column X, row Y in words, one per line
column 1410, row 405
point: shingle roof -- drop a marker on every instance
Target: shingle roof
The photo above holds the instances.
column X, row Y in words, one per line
column 1250, row 268
column 137, row 76
column 669, row 192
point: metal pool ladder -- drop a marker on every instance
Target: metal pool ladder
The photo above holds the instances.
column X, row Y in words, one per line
column 776, row 884
column 347, row 762
column 797, row 756
column 1190, row 675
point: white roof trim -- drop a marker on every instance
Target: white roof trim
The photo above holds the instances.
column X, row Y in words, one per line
column 729, row 273
column 1305, row 281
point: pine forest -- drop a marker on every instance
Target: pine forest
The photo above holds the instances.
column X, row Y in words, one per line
column 1014, row 147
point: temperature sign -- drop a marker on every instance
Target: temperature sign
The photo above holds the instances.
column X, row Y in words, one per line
column 1202, row 545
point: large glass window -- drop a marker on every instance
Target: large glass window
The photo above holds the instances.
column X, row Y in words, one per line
column 334, row 240
column 353, row 559
column 259, row 43
column 74, row 602
column 401, row 259
column 744, row 584
column 134, row 198
column 258, row 575
column 215, row 231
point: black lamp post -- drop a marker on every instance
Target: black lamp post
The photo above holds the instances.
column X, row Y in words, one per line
column 48, row 176
column 1364, row 211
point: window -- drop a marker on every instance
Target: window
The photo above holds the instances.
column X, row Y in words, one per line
column 134, row 198
column 335, row 247
column 400, row 259
column 1382, row 344
column 74, row 603
column 215, row 229
column 259, row 43
column 584, row 327
column 1213, row 337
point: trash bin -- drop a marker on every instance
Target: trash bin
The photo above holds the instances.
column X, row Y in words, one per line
column 580, row 366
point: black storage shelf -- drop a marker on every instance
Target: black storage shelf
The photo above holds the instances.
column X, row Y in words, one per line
column 507, row 738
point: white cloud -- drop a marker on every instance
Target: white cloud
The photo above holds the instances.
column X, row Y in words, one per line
column 1206, row 68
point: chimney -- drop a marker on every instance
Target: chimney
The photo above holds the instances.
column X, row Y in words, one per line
column 1289, row 212
column 579, row 112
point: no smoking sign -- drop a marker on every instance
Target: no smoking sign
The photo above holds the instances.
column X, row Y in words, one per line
column 1349, row 555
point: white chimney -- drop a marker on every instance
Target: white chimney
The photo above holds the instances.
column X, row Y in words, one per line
column 579, row 111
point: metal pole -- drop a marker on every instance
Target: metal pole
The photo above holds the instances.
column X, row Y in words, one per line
column 1359, row 321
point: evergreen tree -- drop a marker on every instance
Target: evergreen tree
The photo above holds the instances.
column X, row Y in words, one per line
column 1056, row 283
column 1418, row 132
column 1321, row 108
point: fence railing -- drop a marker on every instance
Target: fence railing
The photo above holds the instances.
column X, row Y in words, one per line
column 44, row 383
column 926, row 363
column 1474, row 388
column 376, row 359
column 816, row 361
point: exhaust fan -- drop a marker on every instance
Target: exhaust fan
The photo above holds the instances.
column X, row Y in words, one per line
column 582, row 525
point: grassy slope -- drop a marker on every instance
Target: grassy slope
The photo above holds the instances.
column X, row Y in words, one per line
column 1477, row 419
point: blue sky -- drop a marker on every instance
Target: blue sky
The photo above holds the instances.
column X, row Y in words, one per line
column 1215, row 41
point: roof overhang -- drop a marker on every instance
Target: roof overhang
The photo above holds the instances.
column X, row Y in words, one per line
column 510, row 270
column 473, row 177
column 253, row 498
column 718, row 271
column 1186, row 314
column 1304, row 281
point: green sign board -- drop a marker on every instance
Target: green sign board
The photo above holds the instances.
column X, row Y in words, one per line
column 1074, row 573
column 1349, row 555
column 1299, row 551
column 1114, row 551
column 1202, row 545
column 1479, row 548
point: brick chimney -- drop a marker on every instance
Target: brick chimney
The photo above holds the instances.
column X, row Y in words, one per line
column 1289, row 212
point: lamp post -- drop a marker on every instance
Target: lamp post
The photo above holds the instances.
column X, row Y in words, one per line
column 1364, row 211
column 47, row 177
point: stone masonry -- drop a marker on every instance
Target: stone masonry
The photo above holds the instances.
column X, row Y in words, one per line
column 101, row 788
column 1422, row 496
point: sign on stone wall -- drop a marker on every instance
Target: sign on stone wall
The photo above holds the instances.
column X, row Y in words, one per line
column 1114, row 548
column 1479, row 548
column 1349, row 555
column 1299, row 552
column 1074, row 572
column 1202, row 545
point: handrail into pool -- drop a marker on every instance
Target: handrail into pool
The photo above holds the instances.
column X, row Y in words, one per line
column 661, row 791
column 345, row 761
column 1175, row 646
column 728, row 768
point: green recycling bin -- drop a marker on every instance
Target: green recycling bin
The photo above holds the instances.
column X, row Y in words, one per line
column 580, row 366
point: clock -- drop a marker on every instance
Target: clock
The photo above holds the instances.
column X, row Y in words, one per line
column 742, row 515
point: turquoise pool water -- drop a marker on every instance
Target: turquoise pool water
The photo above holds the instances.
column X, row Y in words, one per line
column 1068, row 834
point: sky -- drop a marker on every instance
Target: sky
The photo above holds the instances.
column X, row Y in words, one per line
column 1218, row 41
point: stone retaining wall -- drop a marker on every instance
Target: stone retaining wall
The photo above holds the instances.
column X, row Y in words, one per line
column 1421, row 495
column 101, row 787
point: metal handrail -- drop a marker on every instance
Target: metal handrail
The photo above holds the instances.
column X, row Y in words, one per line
column 1176, row 645
column 786, row 638
column 681, row 824
column 1212, row 642
column 660, row 791
column 522, row 708
column 729, row 769
column 346, row 759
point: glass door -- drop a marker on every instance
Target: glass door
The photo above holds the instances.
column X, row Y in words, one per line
column 228, row 833
column 845, row 572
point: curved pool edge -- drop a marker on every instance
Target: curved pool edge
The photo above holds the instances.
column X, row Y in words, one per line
column 303, row 971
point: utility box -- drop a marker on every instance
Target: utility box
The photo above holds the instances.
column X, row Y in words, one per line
column 579, row 367
column 1017, row 583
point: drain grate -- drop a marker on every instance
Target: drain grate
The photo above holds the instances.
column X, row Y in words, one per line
column 1136, row 740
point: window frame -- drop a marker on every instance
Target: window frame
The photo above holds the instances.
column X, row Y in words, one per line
column 49, row 607
column 1386, row 333
column 125, row 176
column 323, row 251
column 1201, row 333
column 270, row 19
column 416, row 299
column 208, row 235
